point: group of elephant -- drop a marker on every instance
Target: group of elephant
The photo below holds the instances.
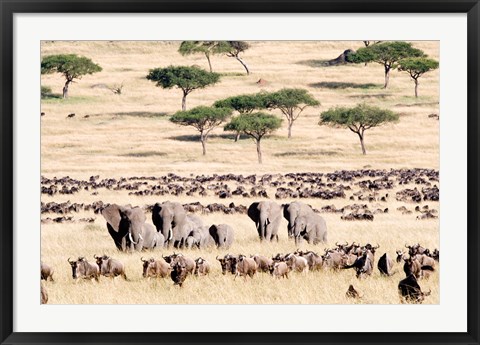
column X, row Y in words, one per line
column 173, row 226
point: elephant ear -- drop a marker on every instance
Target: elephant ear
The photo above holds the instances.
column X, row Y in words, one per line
column 156, row 218
column 111, row 213
column 253, row 212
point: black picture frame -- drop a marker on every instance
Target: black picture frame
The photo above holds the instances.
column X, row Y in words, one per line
column 10, row 7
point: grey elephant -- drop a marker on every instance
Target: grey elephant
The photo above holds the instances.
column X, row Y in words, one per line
column 151, row 238
column 222, row 234
column 200, row 238
column 312, row 228
column 170, row 219
column 292, row 211
column 267, row 216
column 126, row 226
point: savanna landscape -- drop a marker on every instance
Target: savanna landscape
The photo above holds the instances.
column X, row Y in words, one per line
column 113, row 141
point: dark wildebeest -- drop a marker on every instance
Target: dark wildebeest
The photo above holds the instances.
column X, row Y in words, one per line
column 43, row 295
column 83, row 269
column 179, row 273
column 110, row 267
column 279, row 269
column 315, row 261
column 352, row 293
column 46, row 272
column 385, row 265
column 363, row 265
column 202, row 267
column 400, row 254
column 228, row 263
column 175, row 258
column 436, row 255
column 410, row 291
column 155, row 268
column 245, row 267
column 263, row 262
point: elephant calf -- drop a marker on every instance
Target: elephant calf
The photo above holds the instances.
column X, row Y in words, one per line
column 222, row 234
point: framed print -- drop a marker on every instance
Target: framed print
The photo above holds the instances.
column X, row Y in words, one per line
column 280, row 187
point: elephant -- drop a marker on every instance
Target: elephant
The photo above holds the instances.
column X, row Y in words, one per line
column 312, row 228
column 222, row 234
column 152, row 238
column 199, row 237
column 126, row 226
column 171, row 221
column 292, row 211
column 267, row 216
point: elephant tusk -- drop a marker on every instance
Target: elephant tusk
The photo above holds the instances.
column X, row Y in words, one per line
column 170, row 235
column 140, row 235
column 131, row 238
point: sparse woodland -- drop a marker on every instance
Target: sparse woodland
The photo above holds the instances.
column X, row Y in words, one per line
column 124, row 148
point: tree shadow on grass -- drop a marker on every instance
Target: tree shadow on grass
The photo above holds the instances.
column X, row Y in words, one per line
column 313, row 153
column 317, row 63
column 343, row 85
column 196, row 137
column 148, row 114
column 142, row 154
column 376, row 95
column 49, row 95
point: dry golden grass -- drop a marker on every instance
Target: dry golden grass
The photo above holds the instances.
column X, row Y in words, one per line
column 130, row 135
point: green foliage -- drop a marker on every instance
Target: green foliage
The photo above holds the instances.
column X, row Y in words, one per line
column 184, row 77
column 361, row 116
column 288, row 99
column 386, row 53
column 255, row 125
column 358, row 119
column 70, row 65
column 417, row 66
column 202, row 118
column 195, row 47
column 233, row 48
column 45, row 92
column 244, row 104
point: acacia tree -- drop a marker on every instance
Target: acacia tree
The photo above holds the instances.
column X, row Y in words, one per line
column 243, row 104
column 386, row 54
column 185, row 78
column 233, row 49
column 358, row 119
column 291, row 103
column 208, row 48
column 71, row 66
column 416, row 67
column 255, row 125
column 203, row 119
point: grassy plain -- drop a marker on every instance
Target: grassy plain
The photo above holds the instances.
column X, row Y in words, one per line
column 130, row 135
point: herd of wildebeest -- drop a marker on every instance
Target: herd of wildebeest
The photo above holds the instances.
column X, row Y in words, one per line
column 176, row 225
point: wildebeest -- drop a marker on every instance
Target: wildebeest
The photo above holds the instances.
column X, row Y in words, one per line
column 43, row 294
column 400, row 254
column 155, row 268
column 202, row 267
column 410, row 291
column 263, row 262
column 413, row 266
column 245, row 267
column 279, row 269
column 173, row 259
column 352, row 292
column 228, row 263
column 83, row 269
column 296, row 263
column 110, row 267
column 179, row 273
column 315, row 261
column 385, row 265
column 46, row 272
column 363, row 265
column 335, row 260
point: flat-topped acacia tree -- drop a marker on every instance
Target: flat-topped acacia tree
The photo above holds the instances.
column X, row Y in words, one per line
column 358, row 119
column 185, row 78
column 243, row 104
column 207, row 48
column 71, row 66
column 291, row 103
column 416, row 67
column 255, row 125
column 233, row 49
column 386, row 54
column 203, row 119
